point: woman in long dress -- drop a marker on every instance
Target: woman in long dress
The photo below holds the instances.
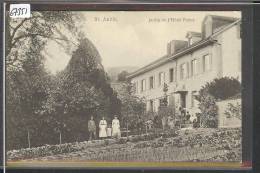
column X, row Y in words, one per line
column 116, row 128
column 103, row 128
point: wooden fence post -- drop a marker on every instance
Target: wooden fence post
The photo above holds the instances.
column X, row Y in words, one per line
column 28, row 138
column 60, row 137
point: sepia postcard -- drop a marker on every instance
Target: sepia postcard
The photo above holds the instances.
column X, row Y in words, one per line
column 124, row 89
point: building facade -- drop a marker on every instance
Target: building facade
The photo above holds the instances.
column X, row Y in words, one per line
column 190, row 64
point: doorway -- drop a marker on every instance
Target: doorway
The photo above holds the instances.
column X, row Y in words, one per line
column 183, row 99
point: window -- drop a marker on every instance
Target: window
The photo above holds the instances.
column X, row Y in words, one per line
column 136, row 87
column 183, row 71
column 143, row 85
column 151, row 82
column 171, row 75
column 151, row 106
column 161, row 102
column 206, row 62
column 194, row 70
column 161, row 78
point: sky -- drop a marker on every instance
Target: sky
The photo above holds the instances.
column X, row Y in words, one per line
column 128, row 38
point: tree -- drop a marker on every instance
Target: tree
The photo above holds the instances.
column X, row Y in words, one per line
column 133, row 107
column 218, row 89
column 41, row 27
column 122, row 76
column 28, row 85
column 40, row 107
column 223, row 88
column 208, row 109
column 83, row 90
column 26, row 93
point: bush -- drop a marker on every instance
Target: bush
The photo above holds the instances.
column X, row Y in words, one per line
column 164, row 112
column 218, row 89
column 223, row 88
column 122, row 76
column 233, row 111
column 157, row 121
column 208, row 109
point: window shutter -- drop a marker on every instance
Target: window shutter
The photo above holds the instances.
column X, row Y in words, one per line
column 175, row 74
column 154, row 81
column 209, row 61
column 188, row 71
column 164, row 77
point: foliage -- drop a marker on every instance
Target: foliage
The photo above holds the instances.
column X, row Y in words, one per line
column 149, row 115
column 197, row 145
column 208, row 108
column 164, row 112
column 26, row 93
column 224, row 88
column 82, row 91
column 132, row 109
column 234, row 111
column 47, row 150
column 39, row 106
column 218, row 89
column 122, row 76
column 40, row 28
column 28, row 84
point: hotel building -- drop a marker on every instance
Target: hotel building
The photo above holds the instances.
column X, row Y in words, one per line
column 190, row 64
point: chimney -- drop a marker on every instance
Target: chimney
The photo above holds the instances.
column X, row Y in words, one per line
column 193, row 37
column 212, row 23
column 175, row 45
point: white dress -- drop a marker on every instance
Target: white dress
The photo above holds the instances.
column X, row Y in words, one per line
column 102, row 128
column 116, row 128
column 109, row 132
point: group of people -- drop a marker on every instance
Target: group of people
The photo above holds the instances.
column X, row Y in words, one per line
column 189, row 118
column 105, row 130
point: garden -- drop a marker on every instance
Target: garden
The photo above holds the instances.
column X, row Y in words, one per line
column 201, row 144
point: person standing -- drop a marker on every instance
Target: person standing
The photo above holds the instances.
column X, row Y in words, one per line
column 116, row 128
column 103, row 128
column 92, row 128
column 109, row 131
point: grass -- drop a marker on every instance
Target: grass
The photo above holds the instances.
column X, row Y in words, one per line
column 161, row 154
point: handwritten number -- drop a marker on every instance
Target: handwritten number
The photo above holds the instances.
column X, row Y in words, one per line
column 18, row 11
